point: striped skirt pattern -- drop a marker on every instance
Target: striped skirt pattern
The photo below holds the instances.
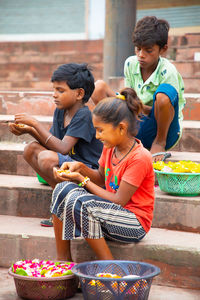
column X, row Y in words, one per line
column 89, row 216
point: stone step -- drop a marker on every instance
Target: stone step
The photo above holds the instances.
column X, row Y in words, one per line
column 12, row 102
column 184, row 53
column 25, row 196
column 188, row 68
column 192, row 84
column 32, row 102
column 6, row 135
column 176, row 253
column 189, row 142
column 12, row 162
column 157, row 292
column 176, row 212
column 192, row 107
column 188, row 39
column 33, row 75
column 49, row 58
column 34, row 72
column 51, row 47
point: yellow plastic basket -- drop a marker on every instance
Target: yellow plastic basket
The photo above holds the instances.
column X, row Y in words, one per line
column 182, row 184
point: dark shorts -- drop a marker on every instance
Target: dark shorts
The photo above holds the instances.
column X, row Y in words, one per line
column 148, row 125
column 63, row 158
column 66, row 158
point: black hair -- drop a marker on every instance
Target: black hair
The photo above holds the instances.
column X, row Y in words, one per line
column 150, row 31
column 76, row 76
column 114, row 110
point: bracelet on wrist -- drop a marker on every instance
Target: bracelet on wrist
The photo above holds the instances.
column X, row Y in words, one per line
column 84, row 182
column 48, row 138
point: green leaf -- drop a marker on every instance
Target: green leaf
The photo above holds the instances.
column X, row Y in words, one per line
column 21, row 271
column 43, row 272
column 68, row 272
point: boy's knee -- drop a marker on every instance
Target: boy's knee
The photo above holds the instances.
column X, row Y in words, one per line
column 100, row 85
column 30, row 150
column 163, row 107
column 100, row 91
column 166, row 94
column 47, row 159
column 162, row 100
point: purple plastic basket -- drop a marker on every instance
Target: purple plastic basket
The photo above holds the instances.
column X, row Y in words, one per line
column 37, row 288
column 102, row 288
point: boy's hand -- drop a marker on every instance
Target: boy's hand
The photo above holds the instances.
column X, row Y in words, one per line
column 18, row 129
column 26, row 119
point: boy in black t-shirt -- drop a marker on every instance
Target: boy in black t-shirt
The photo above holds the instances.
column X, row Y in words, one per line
column 72, row 135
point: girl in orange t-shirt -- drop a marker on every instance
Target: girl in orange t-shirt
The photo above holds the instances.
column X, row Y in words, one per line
column 123, row 210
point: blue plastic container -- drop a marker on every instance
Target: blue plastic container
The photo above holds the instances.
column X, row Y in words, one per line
column 103, row 288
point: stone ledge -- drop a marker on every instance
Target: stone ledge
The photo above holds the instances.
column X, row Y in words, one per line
column 176, row 253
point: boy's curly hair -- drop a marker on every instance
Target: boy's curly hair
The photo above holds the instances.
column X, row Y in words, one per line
column 76, row 76
column 150, row 31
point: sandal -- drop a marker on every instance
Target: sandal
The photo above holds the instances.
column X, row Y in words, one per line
column 166, row 155
column 47, row 223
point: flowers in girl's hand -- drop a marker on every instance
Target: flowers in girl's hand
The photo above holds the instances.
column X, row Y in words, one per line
column 42, row 268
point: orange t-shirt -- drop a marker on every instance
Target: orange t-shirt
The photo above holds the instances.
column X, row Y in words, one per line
column 136, row 169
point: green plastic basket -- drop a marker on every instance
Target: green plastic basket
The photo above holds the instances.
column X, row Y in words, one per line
column 41, row 180
column 182, row 184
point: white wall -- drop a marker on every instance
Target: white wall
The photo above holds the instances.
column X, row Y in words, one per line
column 96, row 19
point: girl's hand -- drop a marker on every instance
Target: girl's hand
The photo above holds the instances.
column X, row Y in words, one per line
column 19, row 129
column 66, row 175
column 26, row 119
column 74, row 166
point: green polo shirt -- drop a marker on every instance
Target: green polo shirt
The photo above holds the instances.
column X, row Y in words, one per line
column 164, row 73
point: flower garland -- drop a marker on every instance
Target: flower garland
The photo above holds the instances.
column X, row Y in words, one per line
column 42, row 268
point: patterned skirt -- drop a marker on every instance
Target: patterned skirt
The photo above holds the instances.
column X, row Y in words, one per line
column 89, row 216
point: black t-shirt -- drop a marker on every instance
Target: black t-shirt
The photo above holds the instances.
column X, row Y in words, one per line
column 88, row 149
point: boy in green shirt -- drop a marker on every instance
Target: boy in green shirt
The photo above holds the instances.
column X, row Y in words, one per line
column 157, row 83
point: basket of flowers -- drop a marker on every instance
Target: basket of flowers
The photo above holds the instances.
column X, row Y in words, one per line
column 178, row 178
column 43, row 279
column 115, row 279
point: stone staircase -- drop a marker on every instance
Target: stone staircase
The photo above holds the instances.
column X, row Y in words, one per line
column 29, row 65
column 173, row 243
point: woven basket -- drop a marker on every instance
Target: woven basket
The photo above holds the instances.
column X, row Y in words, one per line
column 37, row 288
column 182, row 184
column 103, row 288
